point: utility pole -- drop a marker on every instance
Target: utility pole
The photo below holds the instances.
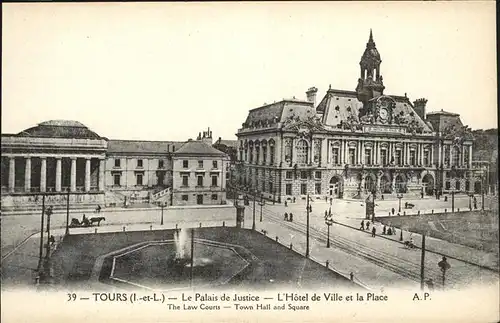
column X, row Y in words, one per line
column 192, row 259
column 41, row 235
column 254, row 197
column 452, row 201
column 67, row 213
column 422, row 264
column 307, row 232
column 48, row 213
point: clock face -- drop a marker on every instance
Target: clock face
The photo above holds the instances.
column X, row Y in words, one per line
column 383, row 114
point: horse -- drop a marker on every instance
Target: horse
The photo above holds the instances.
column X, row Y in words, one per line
column 97, row 219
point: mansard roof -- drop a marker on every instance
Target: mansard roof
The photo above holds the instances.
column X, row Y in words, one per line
column 141, row 147
column 339, row 106
column 271, row 114
column 60, row 129
column 198, row 148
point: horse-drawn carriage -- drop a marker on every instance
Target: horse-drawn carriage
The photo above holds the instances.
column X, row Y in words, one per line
column 75, row 223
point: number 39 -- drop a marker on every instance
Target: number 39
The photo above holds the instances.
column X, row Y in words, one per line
column 71, row 297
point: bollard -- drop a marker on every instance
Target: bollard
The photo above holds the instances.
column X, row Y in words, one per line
column 458, row 210
column 432, row 211
column 291, row 246
column 327, row 263
column 123, row 229
column 445, row 210
column 404, row 213
column 389, row 213
column 351, row 275
column 150, row 227
column 418, row 213
column 95, row 231
column 401, row 235
column 200, row 224
column 276, row 238
column 223, row 223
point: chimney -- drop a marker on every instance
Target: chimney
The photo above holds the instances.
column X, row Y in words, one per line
column 419, row 107
column 311, row 95
column 207, row 136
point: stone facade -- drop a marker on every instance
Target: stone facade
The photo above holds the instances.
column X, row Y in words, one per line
column 59, row 157
column 353, row 144
column 199, row 174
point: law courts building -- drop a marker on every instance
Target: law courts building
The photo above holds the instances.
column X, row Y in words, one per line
column 60, row 156
column 354, row 143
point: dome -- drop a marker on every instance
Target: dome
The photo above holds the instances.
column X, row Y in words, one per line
column 60, row 129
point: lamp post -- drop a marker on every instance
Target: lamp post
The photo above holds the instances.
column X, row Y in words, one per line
column 444, row 265
column 162, row 205
column 328, row 222
column 48, row 213
column 67, row 213
column 254, row 196
column 41, row 235
column 452, row 200
column 400, row 196
column 307, row 231
column 470, row 201
column 261, row 205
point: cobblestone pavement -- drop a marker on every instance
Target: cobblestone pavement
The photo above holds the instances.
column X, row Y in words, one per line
column 377, row 262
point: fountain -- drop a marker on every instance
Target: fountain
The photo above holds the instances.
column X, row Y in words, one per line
column 180, row 263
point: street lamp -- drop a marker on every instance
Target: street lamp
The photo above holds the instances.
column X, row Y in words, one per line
column 254, row 196
column 400, row 196
column 328, row 222
column 470, row 201
column 444, row 265
column 162, row 205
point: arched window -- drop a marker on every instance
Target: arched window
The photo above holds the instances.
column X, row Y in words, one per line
column 455, row 155
column 302, row 152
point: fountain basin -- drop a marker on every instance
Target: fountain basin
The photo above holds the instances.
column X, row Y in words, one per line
column 156, row 265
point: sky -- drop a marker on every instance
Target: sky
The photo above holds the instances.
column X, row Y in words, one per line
column 166, row 71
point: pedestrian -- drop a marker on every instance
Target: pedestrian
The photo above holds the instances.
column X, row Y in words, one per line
column 291, row 217
column 286, row 204
column 422, row 195
column 52, row 240
column 286, row 216
column 430, row 285
column 326, row 214
column 362, row 225
column 373, row 231
column 326, row 199
column 310, row 208
column 331, row 200
column 389, row 231
column 367, row 225
column 393, row 210
column 384, row 230
column 294, row 199
column 393, row 230
column 399, row 214
column 382, row 197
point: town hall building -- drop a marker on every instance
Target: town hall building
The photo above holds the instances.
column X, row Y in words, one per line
column 354, row 144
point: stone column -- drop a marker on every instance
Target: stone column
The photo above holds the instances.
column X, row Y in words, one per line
column 470, row 157
column 43, row 174
column 345, row 153
column 87, row 174
column 101, row 175
column 58, row 173
column 324, row 152
column 440, row 154
column 12, row 173
column 362, row 152
column 451, row 154
column 73, row 174
column 27, row 175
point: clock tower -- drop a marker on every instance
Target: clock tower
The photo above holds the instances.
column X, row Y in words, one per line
column 370, row 84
